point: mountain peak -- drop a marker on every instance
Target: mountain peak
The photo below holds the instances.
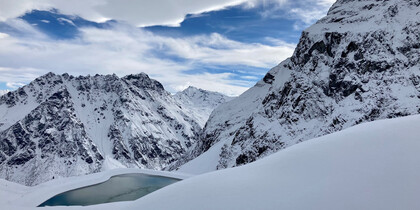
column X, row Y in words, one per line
column 192, row 88
column 142, row 80
column 48, row 75
column 201, row 103
column 360, row 63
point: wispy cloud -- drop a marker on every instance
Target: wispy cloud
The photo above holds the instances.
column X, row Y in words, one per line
column 124, row 50
column 2, row 92
column 14, row 85
column 157, row 12
column 139, row 13
column 305, row 12
column 15, row 77
column 216, row 49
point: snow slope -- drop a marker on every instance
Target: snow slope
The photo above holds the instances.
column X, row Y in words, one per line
column 369, row 166
column 360, row 63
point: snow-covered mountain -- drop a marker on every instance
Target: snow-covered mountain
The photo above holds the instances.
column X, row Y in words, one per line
column 200, row 103
column 360, row 63
column 61, row 125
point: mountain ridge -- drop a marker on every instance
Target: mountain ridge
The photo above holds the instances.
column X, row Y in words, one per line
column 61, row 125
column 357, row 64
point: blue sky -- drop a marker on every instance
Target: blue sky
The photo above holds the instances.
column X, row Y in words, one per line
column 223, row 45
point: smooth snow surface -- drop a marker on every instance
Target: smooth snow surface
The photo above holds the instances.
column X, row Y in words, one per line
column 369, row 166
column 204, row 163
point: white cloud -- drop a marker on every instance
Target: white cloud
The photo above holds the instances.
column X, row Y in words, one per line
column 12, row 9
column 14, row 85
column 249, row 77
column 216, row 49
column 17, row 77
column 139, row 13
column 125, row 50
column 2, row 92
column 3, row 35
column 310, row 11
column 156, row 12
column 326, row 3
column 305, row 12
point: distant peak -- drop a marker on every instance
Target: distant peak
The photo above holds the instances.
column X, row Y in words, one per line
column 192, row 88
column 192, row 91
column 138, row 76
column 142, row 80
column 48, row 75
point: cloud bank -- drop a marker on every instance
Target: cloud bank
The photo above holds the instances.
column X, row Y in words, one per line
column 138, row 13
column 177, row 62
column 126, row 50
column 156, row 12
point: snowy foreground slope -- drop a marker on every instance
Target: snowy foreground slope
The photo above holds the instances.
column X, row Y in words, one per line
column 369, row 166
column 360, row 63
column 61, row 125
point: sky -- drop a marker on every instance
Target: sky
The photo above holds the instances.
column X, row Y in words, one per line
column 218, row 45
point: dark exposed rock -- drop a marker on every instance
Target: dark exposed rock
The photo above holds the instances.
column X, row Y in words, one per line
column 268, row 78
column 20, row 159
column 143, row 81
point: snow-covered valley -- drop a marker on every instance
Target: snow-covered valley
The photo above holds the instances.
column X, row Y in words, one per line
column 370, row 166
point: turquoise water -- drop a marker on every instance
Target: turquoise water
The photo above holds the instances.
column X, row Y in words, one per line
column 125, row 187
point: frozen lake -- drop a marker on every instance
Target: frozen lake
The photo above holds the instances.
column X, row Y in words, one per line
column 125, row 187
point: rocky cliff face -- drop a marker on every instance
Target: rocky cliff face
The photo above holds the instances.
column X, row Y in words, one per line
column 360, row 63
column 60, row 125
